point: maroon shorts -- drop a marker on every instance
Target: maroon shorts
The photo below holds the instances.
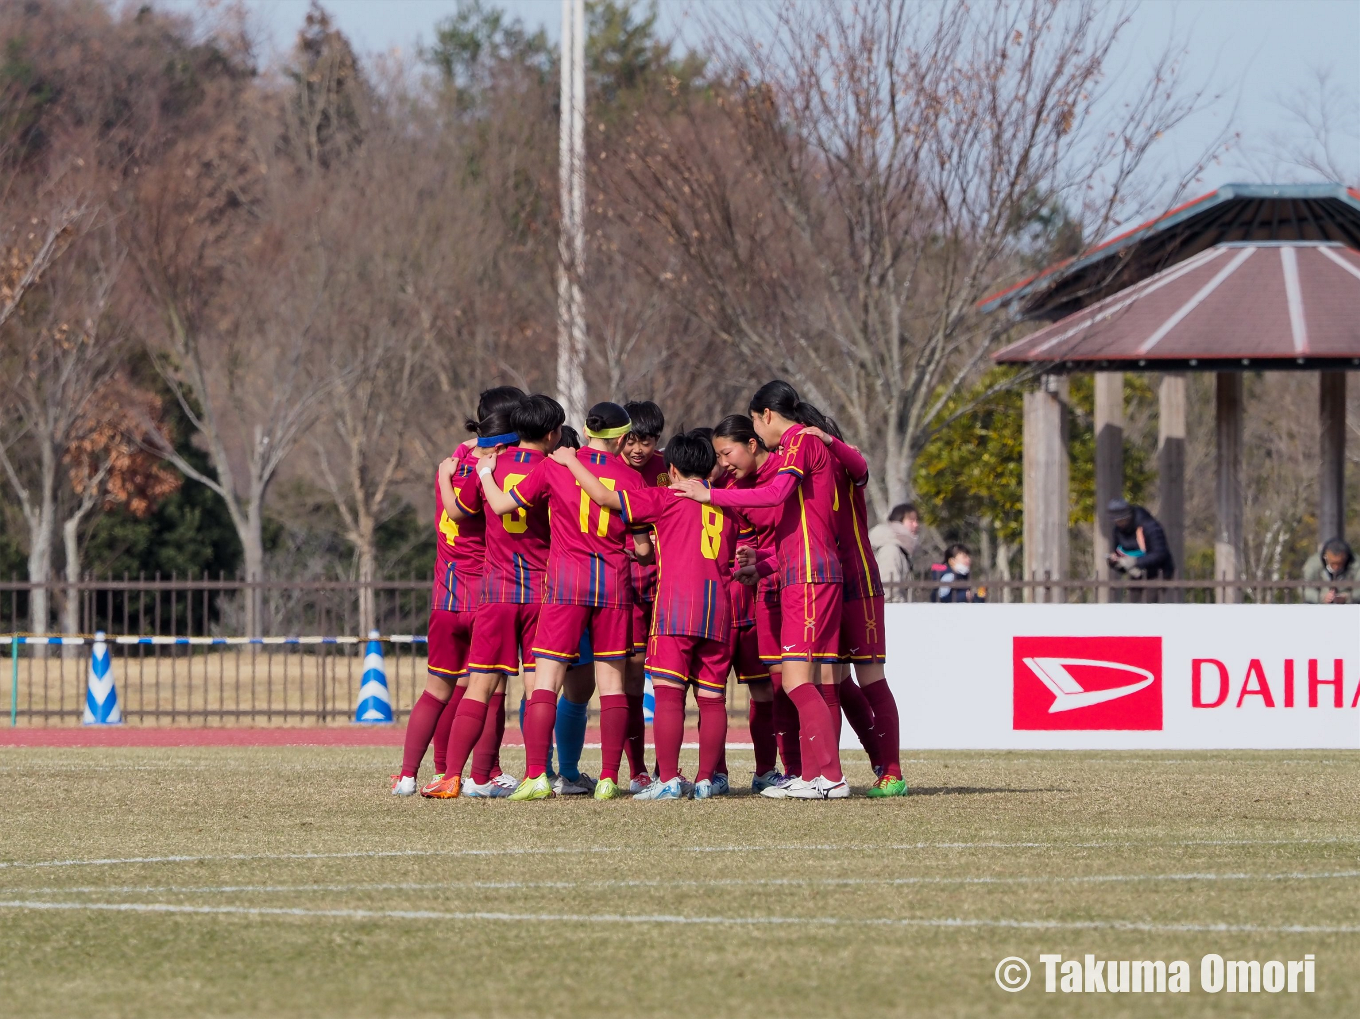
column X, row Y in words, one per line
column 560, row 628
column 768, row 627
column 862, row 638
column 689, row 659
column 810, row 622
column 746, row 656
column 448, row 641
column 502, row 637
column 642, row 623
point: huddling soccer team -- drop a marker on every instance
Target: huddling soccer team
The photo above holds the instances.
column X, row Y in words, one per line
column 737, row 549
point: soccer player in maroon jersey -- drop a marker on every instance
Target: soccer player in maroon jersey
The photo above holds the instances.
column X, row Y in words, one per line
column 587, row 588
column 755, row 607
column 868, row 704
column 810, row 577
column 641, row 453
column 512, row 580
column 459, row 552
column 692, row 623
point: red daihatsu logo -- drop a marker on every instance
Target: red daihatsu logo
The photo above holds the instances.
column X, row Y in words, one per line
column 1088, row 683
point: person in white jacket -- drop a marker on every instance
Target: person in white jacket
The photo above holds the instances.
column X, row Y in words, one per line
column 894, row 544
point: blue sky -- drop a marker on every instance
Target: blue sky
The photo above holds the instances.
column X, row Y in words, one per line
column 1256, row 54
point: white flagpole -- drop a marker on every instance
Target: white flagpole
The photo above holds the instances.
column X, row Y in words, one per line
column 571, row 327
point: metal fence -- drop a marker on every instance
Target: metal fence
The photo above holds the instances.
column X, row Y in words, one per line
column 315, row 682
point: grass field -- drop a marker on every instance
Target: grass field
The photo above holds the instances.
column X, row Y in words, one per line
column 287, row 881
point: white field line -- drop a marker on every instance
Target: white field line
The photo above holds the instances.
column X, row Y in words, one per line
column 566, row 850
column 833, row 882
column 665, row 918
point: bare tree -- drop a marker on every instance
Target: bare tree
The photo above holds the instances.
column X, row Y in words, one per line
column 866, row 173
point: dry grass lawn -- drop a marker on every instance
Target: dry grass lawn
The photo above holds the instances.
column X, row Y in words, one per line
column 288, row 882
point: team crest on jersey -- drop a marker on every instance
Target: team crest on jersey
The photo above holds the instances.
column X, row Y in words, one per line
column 663, row 480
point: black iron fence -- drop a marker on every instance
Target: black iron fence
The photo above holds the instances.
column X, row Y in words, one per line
column 307, row 663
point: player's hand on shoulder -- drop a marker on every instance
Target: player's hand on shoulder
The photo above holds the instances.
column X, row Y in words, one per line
column 691, row 488
column 447, row 467
column 563, row 455
column 817, row 433
column 486, row 464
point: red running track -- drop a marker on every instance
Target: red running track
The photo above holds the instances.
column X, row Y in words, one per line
column 329, row 736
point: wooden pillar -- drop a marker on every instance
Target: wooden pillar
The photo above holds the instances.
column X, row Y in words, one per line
column 1171, row 465
column 1046, row 484
column 1332, row 450
column 1228, row 539
column 1109, row 427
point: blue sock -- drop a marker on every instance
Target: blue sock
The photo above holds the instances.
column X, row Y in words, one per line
column 570, row 736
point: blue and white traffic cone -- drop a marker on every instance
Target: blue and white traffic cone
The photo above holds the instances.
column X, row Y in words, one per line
column 648, row 701
column 101, row 699
column 375, row 705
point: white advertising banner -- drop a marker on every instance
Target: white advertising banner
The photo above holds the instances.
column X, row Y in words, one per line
column 1111, row 677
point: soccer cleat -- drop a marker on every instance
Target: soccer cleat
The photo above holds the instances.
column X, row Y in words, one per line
column 820, row 788
column 533, row 789
column 779, row 789
column 403, row 785
column 446, row 789
column 507, row 782
column 703, row 789
column 887, row 786
column 578, row 786
column 491, row 790
column 759, row 783
column 639, row 782
column 659, row 790
column 606, row 789
column 720, row 785
column 429, row 787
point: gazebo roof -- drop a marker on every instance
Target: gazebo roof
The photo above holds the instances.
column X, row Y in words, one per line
column 1231, row 306
column 1233, row 213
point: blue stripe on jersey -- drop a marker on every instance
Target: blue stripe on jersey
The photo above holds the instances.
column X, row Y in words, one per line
column 522, row 456
column 521, row 576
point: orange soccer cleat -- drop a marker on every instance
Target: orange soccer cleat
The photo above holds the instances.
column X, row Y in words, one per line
column 444, row 787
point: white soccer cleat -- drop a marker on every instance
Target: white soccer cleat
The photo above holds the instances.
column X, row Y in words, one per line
column 659, row 790
column 778, row 789
column 583, row 785
column 403, row 785
column 820, row 788
column 506, row 781
column 491, row 790
column 759, row 783
column 704, row 790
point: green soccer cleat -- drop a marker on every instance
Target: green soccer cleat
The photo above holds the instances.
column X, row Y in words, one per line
column 606, row 789
column 533, row 789
column 887, row 786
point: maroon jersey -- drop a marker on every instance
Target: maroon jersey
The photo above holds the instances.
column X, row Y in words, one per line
column 694, row 549
column 644, row 575
column 852, row 524
column 804, row 486
column 516, row 543
column 588, row 564
column 460, row 546
column 744, row 595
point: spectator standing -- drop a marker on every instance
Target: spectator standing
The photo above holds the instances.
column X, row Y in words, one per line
column 894, row 544
column 958, row 565
column 1334, row 562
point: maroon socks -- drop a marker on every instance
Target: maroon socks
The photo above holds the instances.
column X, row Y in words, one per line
column 712, row 737
column 419, row 729
column 441, row 729
column 761, row 719
column 785, row 718
column 637, row 736
column 539, row 718
column 860, row 714
column 832, row 695
column 468, row 723
column 486, row 754
column 613, row 732
column 821, row 756
column 668, row 730
column 880, row 698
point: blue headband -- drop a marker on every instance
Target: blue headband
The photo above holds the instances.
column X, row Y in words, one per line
column 505, row 439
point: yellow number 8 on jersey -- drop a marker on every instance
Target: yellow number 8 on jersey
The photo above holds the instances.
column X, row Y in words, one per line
column 518, row 521
column 711, row 540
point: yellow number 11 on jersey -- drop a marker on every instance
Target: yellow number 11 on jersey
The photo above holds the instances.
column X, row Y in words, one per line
column 602, row 527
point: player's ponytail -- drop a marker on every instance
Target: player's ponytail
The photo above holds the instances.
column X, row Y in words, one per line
column 737, row 428
column 607, row 421
column 496, row 429
column 497, row 398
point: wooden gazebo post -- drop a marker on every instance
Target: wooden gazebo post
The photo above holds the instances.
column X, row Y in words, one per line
column 1046, row 485
column 1332, row 456
column 1109, row 428
column 1228, row 532
column 1171, row 464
